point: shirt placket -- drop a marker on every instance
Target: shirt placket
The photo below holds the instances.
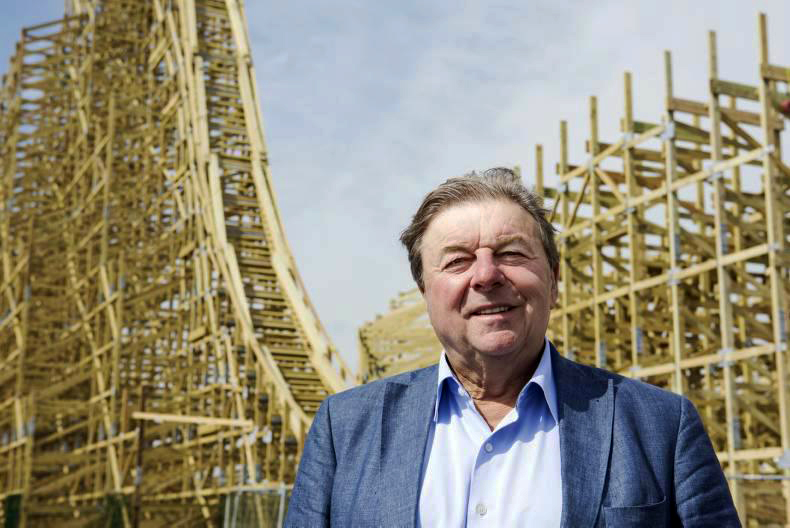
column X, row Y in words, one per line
column 482, row 501
column 480, row 504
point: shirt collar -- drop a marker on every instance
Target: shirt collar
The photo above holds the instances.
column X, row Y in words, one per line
column 543, row 377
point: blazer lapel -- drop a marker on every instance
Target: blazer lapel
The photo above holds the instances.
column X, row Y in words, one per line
column 586, row 411
column 407, row 412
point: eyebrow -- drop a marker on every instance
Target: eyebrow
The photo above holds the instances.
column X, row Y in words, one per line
column 504, row 241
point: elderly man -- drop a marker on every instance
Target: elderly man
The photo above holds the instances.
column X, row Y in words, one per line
column 503, row 431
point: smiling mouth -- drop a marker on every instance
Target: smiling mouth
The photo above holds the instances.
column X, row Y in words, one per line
column 490, row 311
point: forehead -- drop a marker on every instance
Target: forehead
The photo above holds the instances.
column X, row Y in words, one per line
column 483, row 222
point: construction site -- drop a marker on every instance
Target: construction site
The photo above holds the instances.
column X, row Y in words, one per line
column 161, row 360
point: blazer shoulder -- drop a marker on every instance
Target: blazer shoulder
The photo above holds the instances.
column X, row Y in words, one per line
column 357, row 412
column 628, row 389
column 371, row 392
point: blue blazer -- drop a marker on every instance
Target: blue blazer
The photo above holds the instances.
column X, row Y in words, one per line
column 632, row 455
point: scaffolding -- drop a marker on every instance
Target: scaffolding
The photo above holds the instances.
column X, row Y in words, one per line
column 159, row 354
column 675, row 268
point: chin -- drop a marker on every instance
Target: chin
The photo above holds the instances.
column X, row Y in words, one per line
column 496, row 348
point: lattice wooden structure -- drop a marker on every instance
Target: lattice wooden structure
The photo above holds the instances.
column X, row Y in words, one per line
column 675, row 268
column 158, row 351
column 401, row 340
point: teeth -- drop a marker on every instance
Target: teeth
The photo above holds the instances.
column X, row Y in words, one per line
column 494, row 310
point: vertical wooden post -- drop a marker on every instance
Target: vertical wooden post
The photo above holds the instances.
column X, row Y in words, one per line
column 677, row 338
column 723, row 279
column 632, row 224
column 565, row 275
column 777, row 246
column 597, row 263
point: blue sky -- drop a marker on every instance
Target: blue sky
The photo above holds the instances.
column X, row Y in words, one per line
column 368, row 105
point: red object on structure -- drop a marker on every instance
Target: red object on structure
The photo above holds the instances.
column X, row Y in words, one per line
column 784, row 107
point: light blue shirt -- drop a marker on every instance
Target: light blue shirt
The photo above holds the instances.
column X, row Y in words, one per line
column 510, row 476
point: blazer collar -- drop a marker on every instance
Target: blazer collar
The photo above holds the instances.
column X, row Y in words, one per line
column 586, row 408
column 407, row 411
column 585, row 402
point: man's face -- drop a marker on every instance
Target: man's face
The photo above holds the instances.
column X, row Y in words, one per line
column 488, row 284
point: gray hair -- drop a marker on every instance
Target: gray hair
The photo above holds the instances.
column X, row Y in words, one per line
column 493, row 184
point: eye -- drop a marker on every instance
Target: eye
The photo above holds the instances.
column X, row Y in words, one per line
column 513, row 256
column 455, row 263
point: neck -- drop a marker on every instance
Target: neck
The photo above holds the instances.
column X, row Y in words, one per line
column 497, row 379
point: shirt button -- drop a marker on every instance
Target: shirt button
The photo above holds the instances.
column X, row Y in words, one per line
column 489, row 447
column 481, row 509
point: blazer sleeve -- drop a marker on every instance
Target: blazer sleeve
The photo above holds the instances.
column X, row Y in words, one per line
column 311, row 497
column 702, row 496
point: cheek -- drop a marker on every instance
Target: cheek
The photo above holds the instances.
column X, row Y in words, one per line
column 537, row 293
column 445, row 296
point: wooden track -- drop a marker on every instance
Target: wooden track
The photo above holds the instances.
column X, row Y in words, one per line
column 675, row 269
column 158, row 351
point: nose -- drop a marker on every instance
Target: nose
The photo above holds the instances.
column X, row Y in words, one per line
column 486, row 275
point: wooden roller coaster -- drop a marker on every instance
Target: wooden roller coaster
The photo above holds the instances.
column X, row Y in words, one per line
column 675, row 269
column 159, row 355
column 160, row 360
